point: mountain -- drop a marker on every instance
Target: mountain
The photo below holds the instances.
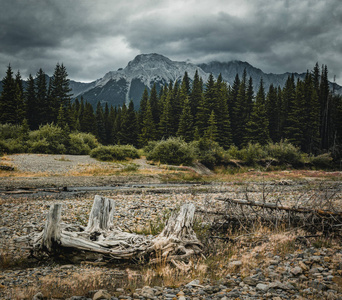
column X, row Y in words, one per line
column 118, row 87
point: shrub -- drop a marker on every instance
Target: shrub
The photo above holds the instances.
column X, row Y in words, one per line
column 173, row 151
column 82, row 143
column 10, row 131
column 208, row 152
column 12, row 146
column 322, row 161
column 252, row 153
column 49, row 139
column 285, row 153
column 117, row 152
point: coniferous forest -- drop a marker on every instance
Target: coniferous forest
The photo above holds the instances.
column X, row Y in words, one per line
column 306, row 113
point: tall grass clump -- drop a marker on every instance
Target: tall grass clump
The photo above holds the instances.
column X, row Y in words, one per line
column 117, row 152
column 172, row 151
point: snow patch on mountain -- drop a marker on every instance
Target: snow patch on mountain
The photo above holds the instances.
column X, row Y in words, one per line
column 150, row 68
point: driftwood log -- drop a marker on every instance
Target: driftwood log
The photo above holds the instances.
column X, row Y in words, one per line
column 100, row 240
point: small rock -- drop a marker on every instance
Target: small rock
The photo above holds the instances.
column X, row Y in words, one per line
column 250, row 281
column 262, row 287
column 296, row 271
column 101, row 294
column 193, row 283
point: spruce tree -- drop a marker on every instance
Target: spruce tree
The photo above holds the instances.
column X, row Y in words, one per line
column 148, row 130
column 186, row 123
column 7, row 99
column 100, row 124
column 257, row 126
column 31, row 104
column 43, row 114
column 195, row 95
column 211, row 133
column 129, row 132
column 273, row 114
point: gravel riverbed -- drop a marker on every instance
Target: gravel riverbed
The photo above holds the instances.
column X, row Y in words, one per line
column 311, row 271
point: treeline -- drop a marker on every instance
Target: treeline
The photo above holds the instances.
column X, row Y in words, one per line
column 305, row 112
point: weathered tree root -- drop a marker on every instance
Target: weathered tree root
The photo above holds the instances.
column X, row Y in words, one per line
column 177, row 241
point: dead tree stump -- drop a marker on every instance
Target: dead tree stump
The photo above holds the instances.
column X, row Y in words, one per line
column 177, row 241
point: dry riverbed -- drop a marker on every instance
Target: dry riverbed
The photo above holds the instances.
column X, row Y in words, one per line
column 260, row 264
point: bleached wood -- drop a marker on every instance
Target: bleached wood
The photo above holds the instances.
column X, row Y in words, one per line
column 101, row 215
column 176, row 241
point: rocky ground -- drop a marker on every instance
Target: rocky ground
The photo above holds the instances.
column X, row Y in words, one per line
column 262, row 264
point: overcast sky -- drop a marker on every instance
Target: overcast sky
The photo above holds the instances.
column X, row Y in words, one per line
column 92, row 37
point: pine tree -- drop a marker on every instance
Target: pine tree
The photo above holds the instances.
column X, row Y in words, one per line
column 165, row 126
column 59, row 89
column 20, row 110
column 222, row 114
column 211, row 133
column 195, row 95
column 7, row 99
column 186, row 123
column 155, row 104
column 273, row 114
column 88, row 122
column 43, row 113
column 288, row 100
column 100, row 124
column 257, row 127
column 31, row 104
column 295, row 128
column 148, row 130
column 240, row 114
column 129, row 132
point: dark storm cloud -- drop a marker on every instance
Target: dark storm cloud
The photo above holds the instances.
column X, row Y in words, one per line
column 93, row 37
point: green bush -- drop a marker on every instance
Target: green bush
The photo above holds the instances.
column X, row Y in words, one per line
column 10, row 146
column 117, row 152
column 81, row 143
column 173, row 151
column 252, row 153
column 324, row 161
column 10, row 131
column 208, row 152
column 285, row 153
column 49, row 139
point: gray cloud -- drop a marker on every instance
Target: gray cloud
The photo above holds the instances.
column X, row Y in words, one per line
column 93, row 37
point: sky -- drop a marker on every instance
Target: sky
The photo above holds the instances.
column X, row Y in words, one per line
column 92, row 37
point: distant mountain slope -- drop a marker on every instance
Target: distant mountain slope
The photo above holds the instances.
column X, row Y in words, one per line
column 118, row 87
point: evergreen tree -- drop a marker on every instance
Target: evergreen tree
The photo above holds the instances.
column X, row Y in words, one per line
column 222, row 114
column 186, row 123
column 129, row 132
column 288, row 100
column 43, row 113
column 211, row 133
column 88, row 121
column 165, row 126
column 154, row 104
column 31, row 104
column 257, row 126
column 100, row 124
column 148, row 130
column 195, row 95
column 59, row 90
column 240, row 113
column 295, row 128
column 273, row 115
column 20, row 111
column 7, row 99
